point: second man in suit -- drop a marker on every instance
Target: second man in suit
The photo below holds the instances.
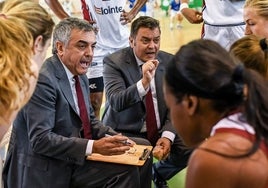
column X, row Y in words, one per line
column 129, row 76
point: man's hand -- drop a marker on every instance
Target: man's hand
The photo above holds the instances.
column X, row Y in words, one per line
column 112, row 145
column 193, row 16
column 162, row 148
column 148, row 72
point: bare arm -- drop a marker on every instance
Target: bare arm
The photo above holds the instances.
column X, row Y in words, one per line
column 193, row 16
column 127, row 17
column 56, row 7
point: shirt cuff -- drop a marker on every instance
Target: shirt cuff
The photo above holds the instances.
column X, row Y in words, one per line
column 89, row 147
column 169, row 135
column 141, row 90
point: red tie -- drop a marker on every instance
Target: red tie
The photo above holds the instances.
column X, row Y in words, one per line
column 82, row 109
column 86, row 13
column 151, row 125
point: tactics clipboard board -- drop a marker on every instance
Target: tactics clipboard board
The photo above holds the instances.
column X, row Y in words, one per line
column 136, row 156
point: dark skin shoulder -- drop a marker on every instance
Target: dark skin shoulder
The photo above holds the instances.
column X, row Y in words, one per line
column 210, row 168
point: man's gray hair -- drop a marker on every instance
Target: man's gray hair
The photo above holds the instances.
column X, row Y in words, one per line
column 63, row 29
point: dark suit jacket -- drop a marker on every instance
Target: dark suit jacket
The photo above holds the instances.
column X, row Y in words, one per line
column 46, row 142
column 124, row 109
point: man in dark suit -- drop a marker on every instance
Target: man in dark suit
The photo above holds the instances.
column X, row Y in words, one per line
column 47, row 147
column 129, row 75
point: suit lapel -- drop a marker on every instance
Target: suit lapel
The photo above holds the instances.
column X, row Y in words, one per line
column 131, row 66
column 158, row 86
column 63, row 82
column 159, row 78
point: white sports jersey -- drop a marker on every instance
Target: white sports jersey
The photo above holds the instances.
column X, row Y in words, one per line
column 106, row 13
column 223, row 21
column 223, row 12
column 112, row 35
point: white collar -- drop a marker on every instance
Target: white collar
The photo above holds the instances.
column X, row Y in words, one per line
column 233, row 121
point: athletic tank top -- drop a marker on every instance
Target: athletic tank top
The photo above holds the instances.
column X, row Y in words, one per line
column 223, row 12
column 106, row 14
column 232, row 124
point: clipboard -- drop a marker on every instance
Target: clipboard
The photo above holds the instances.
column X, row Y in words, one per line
column 137, row 156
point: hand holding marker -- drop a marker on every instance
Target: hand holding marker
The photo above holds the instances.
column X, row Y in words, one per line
column 125, row 142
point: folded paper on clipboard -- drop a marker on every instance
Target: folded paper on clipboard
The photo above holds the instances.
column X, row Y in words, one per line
column 137, row 155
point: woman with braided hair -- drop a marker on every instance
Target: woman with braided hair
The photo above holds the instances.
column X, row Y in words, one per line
column 221, row 108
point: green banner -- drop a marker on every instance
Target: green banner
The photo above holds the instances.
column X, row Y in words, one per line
column 195, row 3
